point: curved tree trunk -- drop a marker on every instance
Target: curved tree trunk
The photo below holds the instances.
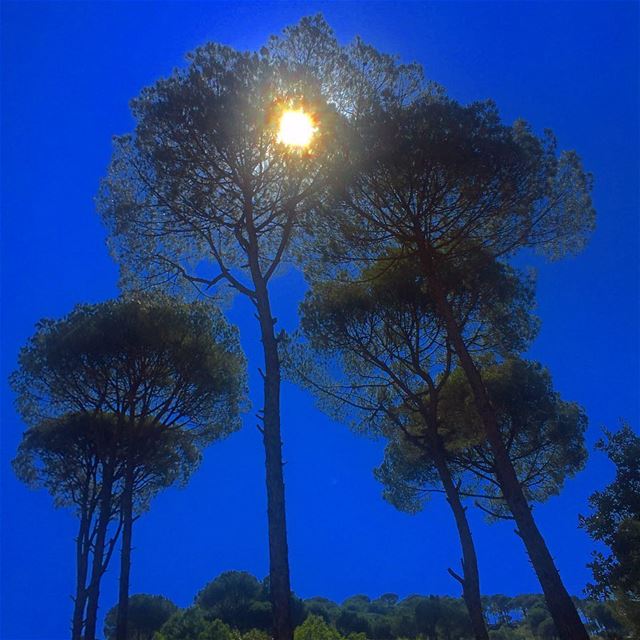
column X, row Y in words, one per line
column 98, row 565
column 470, row 579
column 279, row 580
column 561, row 606
column 125, row 558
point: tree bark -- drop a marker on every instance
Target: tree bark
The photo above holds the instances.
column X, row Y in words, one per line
column 561, row 606
column 97, row 567
column 125, row 558
column 279, row 579
column 470, row 578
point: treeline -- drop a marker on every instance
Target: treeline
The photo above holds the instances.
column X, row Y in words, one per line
column 236, row 606
column 404, row 209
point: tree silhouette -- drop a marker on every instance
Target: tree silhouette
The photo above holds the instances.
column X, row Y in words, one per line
column 147, row 614
column 238, row 599
column 165, row 377
column 202, row 192
column 72, row 457
column 446, row 184
column 385, row 355
column 615, row 521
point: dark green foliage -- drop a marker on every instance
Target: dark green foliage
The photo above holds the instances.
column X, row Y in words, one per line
column 615, row 521
column 544, row 434
column 428, row 614
column 256, row 634
column 229, row 590
column 526, row 616
column 357, row 603
column 350, row 621
column 184, row 359
column 120, row 398
column 603, row 618
column 147, row 614
column 65, row 455
column 237, row 598
column 451, row 175
column 315, row 628
column 322, row 607
column 522, row 617
column 540, row 623
column 494, row 300
column 145, row 381
column 374, row 340
column 524, row 602
column 193, row 624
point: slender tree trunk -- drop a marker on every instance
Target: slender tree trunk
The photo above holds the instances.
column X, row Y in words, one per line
column 470, row 579
column 125, row 557
column 279, row 580
column 562, row 609
column 97, row 567
column 82, row 569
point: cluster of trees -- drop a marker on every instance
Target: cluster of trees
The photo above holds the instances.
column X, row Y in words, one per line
column 405, row 212
column 235, row 606
column 120, row 399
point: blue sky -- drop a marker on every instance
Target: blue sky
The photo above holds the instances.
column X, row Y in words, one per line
column 68, row 72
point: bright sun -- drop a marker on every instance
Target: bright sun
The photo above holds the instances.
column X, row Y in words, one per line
column 296, row 128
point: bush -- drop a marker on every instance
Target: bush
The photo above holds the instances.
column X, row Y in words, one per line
column 192, row 624
column 315, row 628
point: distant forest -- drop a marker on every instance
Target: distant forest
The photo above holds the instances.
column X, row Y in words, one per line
column 236, row 606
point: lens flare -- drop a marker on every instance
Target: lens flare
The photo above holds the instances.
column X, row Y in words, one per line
column 296, row 128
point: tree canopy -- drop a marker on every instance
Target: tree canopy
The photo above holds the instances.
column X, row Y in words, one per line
column 120, row 398
column 147, row 614
column 439, row 182
column 148, row 357
column 388, row 617
column 204, row 191
column 615, row 521
column 405, row 210
column 544, row 434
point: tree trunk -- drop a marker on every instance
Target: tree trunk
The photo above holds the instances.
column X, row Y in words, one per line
column 470, row 575
column 561, row 607
column 82, row 568
column 279, row 580
column 97, row 567
column 125, row 558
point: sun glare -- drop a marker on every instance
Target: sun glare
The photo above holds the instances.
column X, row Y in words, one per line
column 296, row 128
